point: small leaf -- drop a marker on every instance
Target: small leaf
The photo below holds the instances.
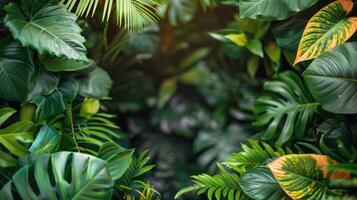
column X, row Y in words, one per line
column 238, row 39
column 327, row 29
column 47, row 140
column 63, row 64
column 167, row 89
column 256, row 47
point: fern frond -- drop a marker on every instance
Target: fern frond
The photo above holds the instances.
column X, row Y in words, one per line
column 224, row 185
column 138, row 167
column 131, row 14
column 253, row 155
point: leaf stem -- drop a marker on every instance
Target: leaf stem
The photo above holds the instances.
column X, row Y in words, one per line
column 72, row 127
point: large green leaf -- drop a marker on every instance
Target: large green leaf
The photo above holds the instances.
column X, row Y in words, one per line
column 272, row 9
column 63, row 64
column 95, row 84
column 16, row 70
column 13, row 140
column 46, row 26
column 259, row 183
column 332, row 79
column 300, row 175
column 286, row 115
column 327, row 29
column 64, row 175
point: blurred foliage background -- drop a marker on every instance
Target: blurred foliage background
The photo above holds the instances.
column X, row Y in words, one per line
column 182, row 88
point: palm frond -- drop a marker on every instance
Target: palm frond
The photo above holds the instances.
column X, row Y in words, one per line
column 133, row 15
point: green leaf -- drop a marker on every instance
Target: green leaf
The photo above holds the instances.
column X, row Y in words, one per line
column 327, row 29
column 49, row 106
column 166, row 91
column 63, row 64
column 256, row 47
column 95, row 84
column 300, row 175
column 118, row 159
column 69, row 89
column 74, row 175
column 5, row 114
column 272, row 9
column 259, row 183
column 47, row 140
column 13, row 140
column 16, row 70
column 46, row 26
column 286, row 115
column 332, row 79
column 45, row 84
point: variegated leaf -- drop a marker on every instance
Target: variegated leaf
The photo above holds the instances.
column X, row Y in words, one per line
column 304, row 176
column 327, row 29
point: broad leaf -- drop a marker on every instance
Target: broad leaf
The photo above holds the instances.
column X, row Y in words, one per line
column 75, row 176
column 118, row 159
column 16, row 70
column 286, row 115
column 327, row 29
column 13, row 140
column 45, row 84
column 259, row 183
column 95, row 84
column 332, row 79
column 301, row 176
column 272, row 9
column 46, row 26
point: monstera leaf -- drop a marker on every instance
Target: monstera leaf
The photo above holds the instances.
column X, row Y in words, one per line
column 16, row 70
column 46, row 26
column 62, row 175
column 332, row 79
column 259, row 183
column 13, row 139
column 272, row 9
column 286, row 115
column 327, row 29
column 302, row 176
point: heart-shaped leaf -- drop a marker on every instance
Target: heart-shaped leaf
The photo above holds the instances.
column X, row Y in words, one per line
column 332, row 79
column 46, row 26
column 327, row 29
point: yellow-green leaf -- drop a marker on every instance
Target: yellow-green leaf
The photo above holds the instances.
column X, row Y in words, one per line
column 326, row 29
column 238, row 39
column 304, row 176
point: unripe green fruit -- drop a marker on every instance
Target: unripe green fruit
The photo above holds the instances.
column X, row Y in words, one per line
column 90, row 106
column 27, row 112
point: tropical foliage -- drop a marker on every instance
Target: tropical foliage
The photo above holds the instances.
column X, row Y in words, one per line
column 255, row 96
